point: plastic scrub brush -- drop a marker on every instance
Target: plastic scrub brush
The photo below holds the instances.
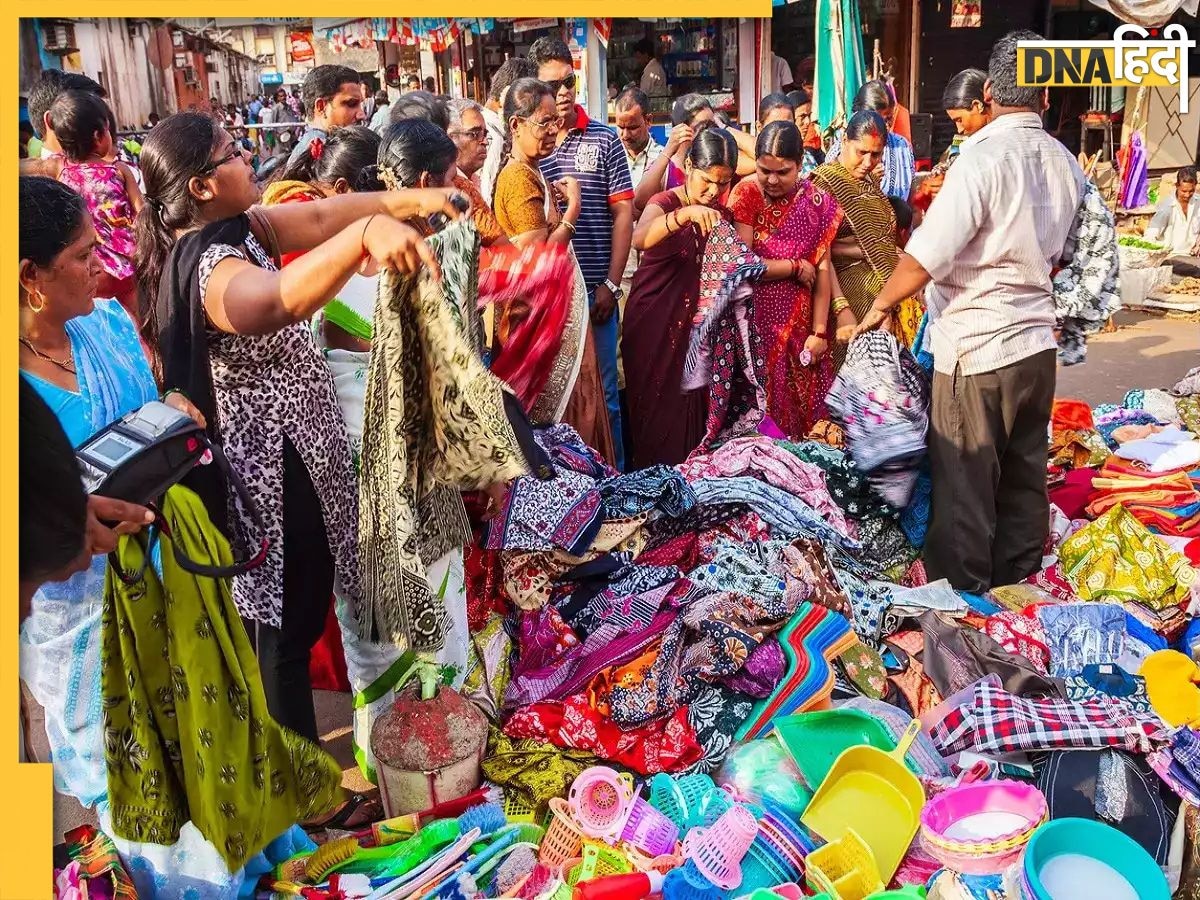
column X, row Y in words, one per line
column 328, row 857
column 487, row 817
column 519, row 864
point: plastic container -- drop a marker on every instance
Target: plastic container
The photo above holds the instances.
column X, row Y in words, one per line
column 763, row 869
column 563, row 839
column 815, row 740
column 686, row 883
column 844, row 868
column 717, row 851
column 682, row 800
column 600, row 802
column 634, row 886
column 874, row 794
column 1067, row 859
column 981, row 828
column 600, row 861
column 650, row 830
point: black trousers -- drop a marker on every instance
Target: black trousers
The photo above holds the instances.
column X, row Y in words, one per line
column 988, row 446
column 308, row 573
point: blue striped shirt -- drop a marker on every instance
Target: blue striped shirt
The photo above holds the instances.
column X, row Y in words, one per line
column 593, row 155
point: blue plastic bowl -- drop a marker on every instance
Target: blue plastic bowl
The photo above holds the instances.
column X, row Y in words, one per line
column 1097, row 841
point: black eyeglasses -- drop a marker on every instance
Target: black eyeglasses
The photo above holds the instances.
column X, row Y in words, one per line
column 233, row 154
column 557, row 85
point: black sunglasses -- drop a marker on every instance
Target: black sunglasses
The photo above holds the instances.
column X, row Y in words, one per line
column 557, row 85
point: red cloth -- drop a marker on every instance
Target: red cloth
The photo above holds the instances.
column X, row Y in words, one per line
column 662, row 745
column 532, row 288
column 327, row 665
column 1074, row 493
column 485, row 586
column 1071, row 415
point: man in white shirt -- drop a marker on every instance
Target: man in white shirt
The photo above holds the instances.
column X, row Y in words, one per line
column 654, row 76
column 781, row 75
column 1176, row 222
column 986, row 249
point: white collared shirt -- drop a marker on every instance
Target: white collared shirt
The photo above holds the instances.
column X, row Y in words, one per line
column 990, row 240
column 1174, row 227
column 638, row 164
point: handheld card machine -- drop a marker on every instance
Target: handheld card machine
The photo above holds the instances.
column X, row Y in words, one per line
column 139, row 456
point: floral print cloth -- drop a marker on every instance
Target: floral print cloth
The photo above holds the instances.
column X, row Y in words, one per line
column 103, row 189
column 1086, row 290
column 1116, row 558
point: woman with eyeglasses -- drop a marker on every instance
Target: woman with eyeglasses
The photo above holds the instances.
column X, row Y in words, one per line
column 229, row 329
column 531, row 211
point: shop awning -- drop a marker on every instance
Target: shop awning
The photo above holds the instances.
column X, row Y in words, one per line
column 840, row 68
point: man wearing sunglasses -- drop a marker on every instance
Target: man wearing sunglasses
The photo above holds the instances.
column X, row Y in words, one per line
column 593, row 155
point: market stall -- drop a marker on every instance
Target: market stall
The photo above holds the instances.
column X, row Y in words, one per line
column 697, row 55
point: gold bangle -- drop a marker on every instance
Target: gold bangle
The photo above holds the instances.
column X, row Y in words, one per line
column 568, row 226
column 839, row 304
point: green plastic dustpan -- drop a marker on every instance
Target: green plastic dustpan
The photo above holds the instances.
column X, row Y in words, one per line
column 873, row 793
column 815, row 740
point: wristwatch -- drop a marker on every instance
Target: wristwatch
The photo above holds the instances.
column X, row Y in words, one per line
column 614, row 289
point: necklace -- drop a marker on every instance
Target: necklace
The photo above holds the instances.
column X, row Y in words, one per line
column 67, row 365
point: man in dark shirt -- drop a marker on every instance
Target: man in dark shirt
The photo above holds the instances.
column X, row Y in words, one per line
column 592, row 154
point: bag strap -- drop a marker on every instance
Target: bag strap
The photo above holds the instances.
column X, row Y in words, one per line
column 264, row 231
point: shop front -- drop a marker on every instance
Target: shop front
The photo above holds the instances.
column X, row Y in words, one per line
column 696, row 55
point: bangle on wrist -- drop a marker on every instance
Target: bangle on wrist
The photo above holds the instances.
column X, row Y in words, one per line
column 839, row 304
column 363, row 240
column 567, row 225
column 168, row 393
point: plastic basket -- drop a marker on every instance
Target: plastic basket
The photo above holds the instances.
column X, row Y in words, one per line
column 600, row 801
column 516, row 809
column 682, row 800
column 844, row 868
column 562, row 840
column 686, row 883
column 599, row 861
column 761, row 868
column 717, row 850
column 650, row 830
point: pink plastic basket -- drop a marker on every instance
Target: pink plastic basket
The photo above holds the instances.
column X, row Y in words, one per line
column 718, row 851
column 982, row 827
column 649, row 830
column 600, row 802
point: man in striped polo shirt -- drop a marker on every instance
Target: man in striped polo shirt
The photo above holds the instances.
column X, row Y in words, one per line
column 592, row 154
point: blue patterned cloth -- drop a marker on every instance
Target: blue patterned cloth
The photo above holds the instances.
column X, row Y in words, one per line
column 786, row 514
column 1082, row 634
column 658, row 487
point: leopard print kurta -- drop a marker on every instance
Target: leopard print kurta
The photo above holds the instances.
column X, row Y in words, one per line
column 265, row 387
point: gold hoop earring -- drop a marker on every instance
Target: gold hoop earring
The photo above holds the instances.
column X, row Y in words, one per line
column 40, row 305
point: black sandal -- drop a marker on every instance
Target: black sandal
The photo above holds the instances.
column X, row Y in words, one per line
column 344, row 814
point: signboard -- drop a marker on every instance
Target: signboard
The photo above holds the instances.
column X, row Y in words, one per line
column 302, row 47
column 272, row 78
column 520, row 25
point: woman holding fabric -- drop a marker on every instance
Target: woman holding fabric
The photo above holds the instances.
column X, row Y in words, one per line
column 85, row 359
column 666, row 423
column 566, row 372
column 790, row 223
column 230, row 331
column 864, row 249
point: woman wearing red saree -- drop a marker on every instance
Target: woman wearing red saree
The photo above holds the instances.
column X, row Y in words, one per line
column 790, row 223
column 666, row 423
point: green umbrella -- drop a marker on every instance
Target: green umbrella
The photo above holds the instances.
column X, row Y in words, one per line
column 840, row 69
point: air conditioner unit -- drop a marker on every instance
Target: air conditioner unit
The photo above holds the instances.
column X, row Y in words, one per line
column 59, row 37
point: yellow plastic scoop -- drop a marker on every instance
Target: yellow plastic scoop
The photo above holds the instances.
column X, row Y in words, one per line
column 874, row 794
